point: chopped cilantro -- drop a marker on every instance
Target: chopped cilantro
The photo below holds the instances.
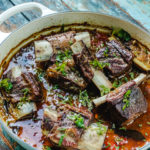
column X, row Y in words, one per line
column 61, row 67
column 100, row 65
column 104, row 90
column 40, row 74
column 101, row 129
column 146, row 133
column 106, row 146
column 148, row 123
column 126, row 100
column 85, row 100
column 47, row 148
column 63, row 55
column 6, row 84
column 146, row 51
column 123, row 128
column 117, row 83
column 131, row 75
column 121, row 34
column 61, row 139
column 55, row 86
column 78, row 120
column 113, row 126
column 106, row 52
column 25, row 91
column 140, row 125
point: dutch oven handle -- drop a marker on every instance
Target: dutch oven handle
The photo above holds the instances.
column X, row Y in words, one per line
column 19, row 8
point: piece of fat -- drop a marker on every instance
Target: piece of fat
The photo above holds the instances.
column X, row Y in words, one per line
column 51, row 113
column 92, row 139
column 23, row 110
column 43, row 50
column 16, row 71
column 85, row 37
column 100, row 79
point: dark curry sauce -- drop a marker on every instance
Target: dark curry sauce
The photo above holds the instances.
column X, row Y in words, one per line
column 30, row 131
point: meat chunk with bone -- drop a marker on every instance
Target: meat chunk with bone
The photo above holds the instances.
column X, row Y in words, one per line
column 65, row 124
column 125, row 103
column 82, row 58
column 67, row 76
column 117, row 56
column 25, row 86
column 61, row 41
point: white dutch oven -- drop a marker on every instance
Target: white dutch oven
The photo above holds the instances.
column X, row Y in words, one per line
column 51, row 18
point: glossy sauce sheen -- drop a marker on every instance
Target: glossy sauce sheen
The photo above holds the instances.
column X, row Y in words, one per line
column 30, row 130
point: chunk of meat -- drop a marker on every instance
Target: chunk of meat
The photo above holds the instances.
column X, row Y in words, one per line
column 68, row 78
column 61, row 41
column 117, row 56
column 25, row 86
column 64, row 129
column 82, row 61
column 126, row 103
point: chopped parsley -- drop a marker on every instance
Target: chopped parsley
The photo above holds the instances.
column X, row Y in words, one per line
column 121, row 34
column 63, row 55
column 61, row 68
column 25, row 94
column 55, row 87
column 117, row 83
column 100, row 65
column 146, row 51
column 85, row 100
column 126, row 99
column 40, row 74
column 123, row 128
column 61, row 139
column 6, row 84
column 47, row 148
column 140, row 125
column 77, row 119
column 106, row 52
column 101, row 129
column 104, row 90
column 131, row 75
column 148, row 123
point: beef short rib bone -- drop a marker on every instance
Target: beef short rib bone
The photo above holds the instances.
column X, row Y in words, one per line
column 43, row 50
column 99, row 78
column 100, row 100
column 65, row 121
column 92, row 139
column 125, row 103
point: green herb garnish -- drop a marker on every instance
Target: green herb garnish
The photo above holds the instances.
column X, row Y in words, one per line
column 61, row 139
column 106, row 52
column 126, row 100
column 101, row 129
column 104, row 90
column 47, row 148
column 85, row 100
column 6, row 84
column 121, row 34
column 63, row 55
column 100, row 65
column 61, row 68
column 123, row 128
column 77, row 119
column 117, row 83
column 40, row 74
column 131, row 75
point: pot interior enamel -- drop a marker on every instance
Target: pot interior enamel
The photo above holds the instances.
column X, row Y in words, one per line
column 28, row 32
